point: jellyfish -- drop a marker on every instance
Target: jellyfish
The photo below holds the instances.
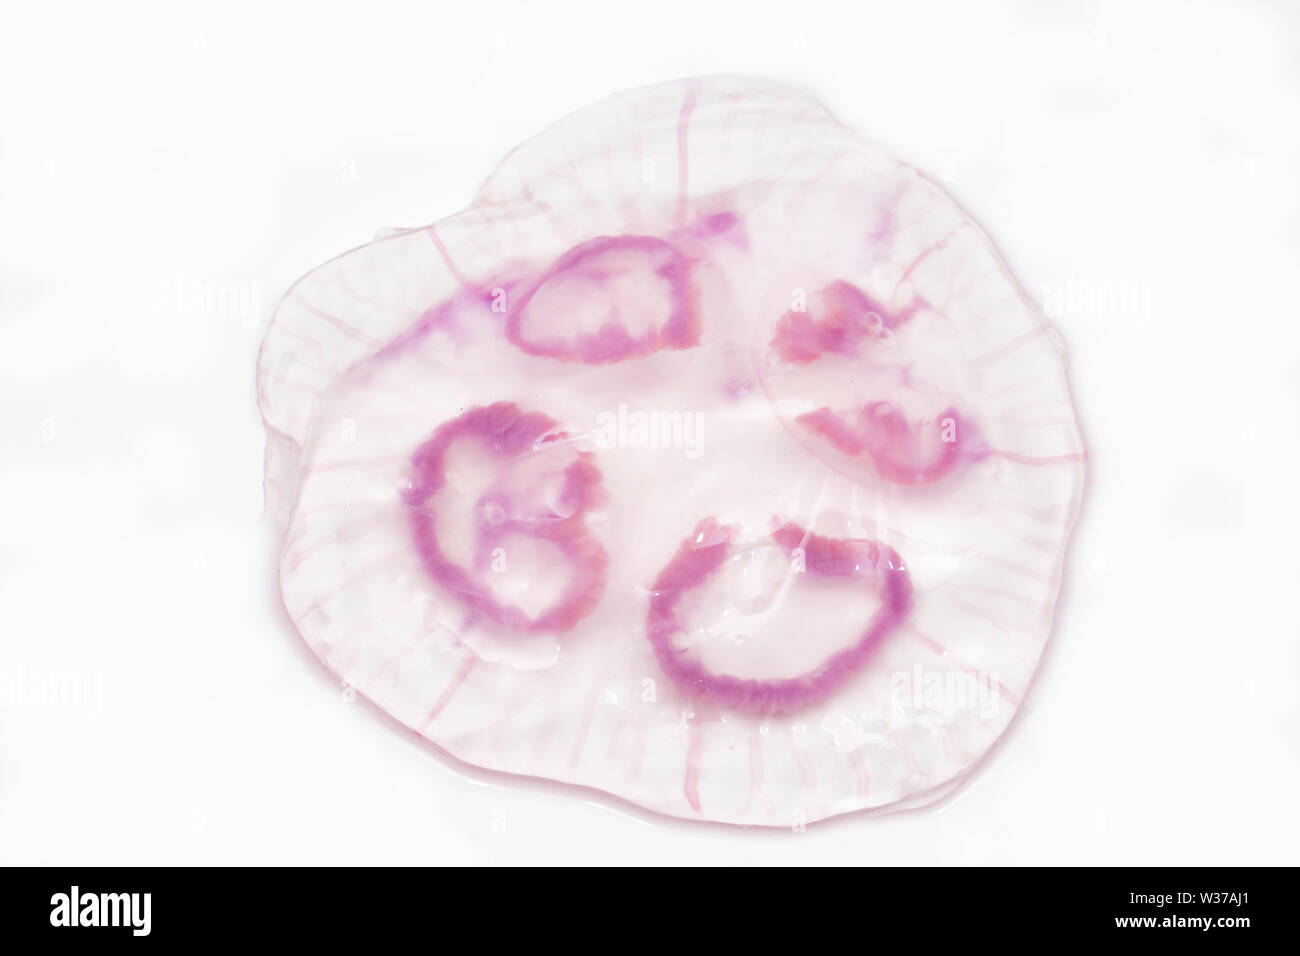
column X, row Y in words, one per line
column 712, row 460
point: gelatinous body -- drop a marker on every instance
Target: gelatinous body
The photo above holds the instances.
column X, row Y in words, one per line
column 711, row 459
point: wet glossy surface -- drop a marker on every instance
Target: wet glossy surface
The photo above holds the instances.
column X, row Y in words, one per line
column 712, row 459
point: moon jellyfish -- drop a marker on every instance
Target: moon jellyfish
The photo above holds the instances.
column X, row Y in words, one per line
column 711, row 459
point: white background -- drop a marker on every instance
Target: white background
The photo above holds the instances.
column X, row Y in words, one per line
column 1135, row 162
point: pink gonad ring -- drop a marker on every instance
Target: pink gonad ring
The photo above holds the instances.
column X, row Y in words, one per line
column 711, row 459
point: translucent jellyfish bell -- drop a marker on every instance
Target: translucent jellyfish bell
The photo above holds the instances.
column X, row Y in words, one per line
column 712, row 459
